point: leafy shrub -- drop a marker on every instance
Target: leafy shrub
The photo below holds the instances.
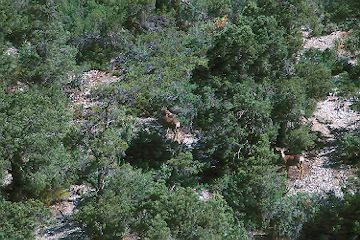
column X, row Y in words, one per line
column 120, row 205
column 155, row 149
column 344, row 13
column 254, row 187
column 300, row 139
column 317, row 79
column 349, row 148
column 19, row 220
column 188, row 217
column 133, row 202
column 251, row 193
column 327, row 57
column 34, row 124
column 182, row 169
column 289, row 214
column 336, row 218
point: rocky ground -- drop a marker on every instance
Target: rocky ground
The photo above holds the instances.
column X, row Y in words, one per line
column 332, row 118
column 62, row 226
column 334, row 40
column 324, row 42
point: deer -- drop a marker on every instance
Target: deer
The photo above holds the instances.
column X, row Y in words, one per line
column 171, row 122
column 220, row 23
column 297, row 160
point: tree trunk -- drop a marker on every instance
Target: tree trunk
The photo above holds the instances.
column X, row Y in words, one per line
column 18, row 181
column 100, row 183
column 282, row 134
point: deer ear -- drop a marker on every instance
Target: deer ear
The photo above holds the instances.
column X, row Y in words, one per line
column 277, row 148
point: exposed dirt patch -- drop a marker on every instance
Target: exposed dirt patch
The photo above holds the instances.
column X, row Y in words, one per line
column 81, row 96
column 63, row 226
column 334, row 40
column 332, row 118
column 183, row 137
column 325, row 42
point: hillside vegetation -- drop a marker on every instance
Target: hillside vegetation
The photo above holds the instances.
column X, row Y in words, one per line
column 159, row 119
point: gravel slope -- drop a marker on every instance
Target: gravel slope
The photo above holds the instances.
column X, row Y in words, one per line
column 332, row 118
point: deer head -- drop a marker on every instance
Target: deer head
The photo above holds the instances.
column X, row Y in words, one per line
column 171, row 122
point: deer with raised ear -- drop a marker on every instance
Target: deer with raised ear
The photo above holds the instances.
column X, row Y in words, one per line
column 171, row 122
column 297, row 160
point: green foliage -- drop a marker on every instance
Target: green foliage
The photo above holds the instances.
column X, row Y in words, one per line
column 353, row 42
column 98, row 28
column 120, row 205
column 300, row 139
column 316, row 78
column 348, row 81
column 41, row 52
column 190, row 218
column 155, row 150
column 105, row 139
column 201, row 10
column 326, row 58
column 182, row 169
column 158, row 74
column 158, row 229
column 349, row 148
column 20, row 18
column 34, row 123
column 251, row 193
column 290, row 16
column 239, row 88
column 290, row 213
column 246, row 49
column 289, row 100
column 19, row 220
column 250, row 83
column 254, row 187
column 234, row 116
column 336, row 218
column 344, row 13
column 132, row 201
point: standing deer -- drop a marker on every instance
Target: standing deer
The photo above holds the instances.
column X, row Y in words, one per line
column 171, row 122
column 220, row 23
column 292, row 160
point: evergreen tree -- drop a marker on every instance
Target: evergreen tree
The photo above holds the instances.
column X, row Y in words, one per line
column 34, row 123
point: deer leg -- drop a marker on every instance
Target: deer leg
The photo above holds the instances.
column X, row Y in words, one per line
column 287, row 171
column 300, row 168
column 176, row 135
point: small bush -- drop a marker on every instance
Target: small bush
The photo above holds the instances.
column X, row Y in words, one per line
column 300, row 139
column 349, row 148
column 19, row 220
column 289, row 214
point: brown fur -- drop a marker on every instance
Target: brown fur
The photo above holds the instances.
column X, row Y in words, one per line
column 171, row 122
column 220, row 23
column 292, row 160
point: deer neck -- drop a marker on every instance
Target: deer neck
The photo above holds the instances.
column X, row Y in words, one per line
column 283, row 155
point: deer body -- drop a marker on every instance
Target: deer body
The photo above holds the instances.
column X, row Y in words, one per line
column 297, row 160
column 171, row 122
column 220, row 23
